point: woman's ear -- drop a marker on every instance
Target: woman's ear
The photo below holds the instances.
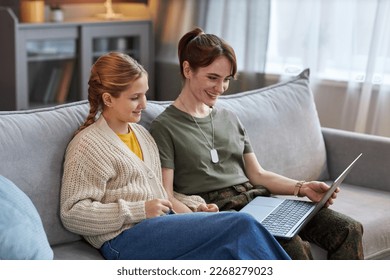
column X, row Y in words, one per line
column 186, row 69
column 106, row 98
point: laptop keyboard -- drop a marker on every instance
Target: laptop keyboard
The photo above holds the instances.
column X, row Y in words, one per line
column 285, row 216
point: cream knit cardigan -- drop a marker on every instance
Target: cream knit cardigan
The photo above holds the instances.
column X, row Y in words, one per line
column 105, row 185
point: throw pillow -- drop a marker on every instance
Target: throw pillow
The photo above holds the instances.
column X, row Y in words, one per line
column 284, row 128
column 22, row 236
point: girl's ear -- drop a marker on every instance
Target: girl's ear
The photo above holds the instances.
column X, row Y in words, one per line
column 106, row 97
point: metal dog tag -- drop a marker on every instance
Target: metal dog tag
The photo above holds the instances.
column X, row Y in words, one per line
column 214, row 156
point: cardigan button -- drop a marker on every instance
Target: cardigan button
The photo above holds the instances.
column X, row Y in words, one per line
column 150, row 175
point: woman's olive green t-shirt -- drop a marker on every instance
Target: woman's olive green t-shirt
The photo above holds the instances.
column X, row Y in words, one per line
column 184, row 149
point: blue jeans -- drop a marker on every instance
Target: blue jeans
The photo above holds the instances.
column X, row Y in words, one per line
column 218, row 236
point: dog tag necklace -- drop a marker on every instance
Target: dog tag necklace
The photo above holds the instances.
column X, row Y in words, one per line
column 213, row 151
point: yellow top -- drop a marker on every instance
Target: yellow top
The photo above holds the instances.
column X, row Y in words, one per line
column 131, row 141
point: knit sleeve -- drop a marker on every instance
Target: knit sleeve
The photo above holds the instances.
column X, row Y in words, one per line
column 192, row 201
column 85, row 209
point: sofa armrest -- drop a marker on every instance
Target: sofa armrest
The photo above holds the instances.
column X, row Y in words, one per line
column 372, row 169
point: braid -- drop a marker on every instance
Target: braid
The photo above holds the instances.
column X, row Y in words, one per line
column 94, row 109
column 94, row 98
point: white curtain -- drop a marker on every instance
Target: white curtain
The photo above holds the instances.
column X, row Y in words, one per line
column 346, row 41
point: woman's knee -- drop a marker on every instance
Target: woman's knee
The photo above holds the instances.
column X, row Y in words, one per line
column 355, row 229
column 351, row 226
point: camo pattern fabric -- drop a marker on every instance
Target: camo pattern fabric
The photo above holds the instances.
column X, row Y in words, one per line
column 337, row 233
column 234, row 197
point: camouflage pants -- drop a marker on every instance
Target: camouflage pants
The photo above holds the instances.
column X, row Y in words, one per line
column 339, row 234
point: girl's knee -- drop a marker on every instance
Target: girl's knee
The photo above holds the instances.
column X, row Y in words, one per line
column 246, row 224
column 246, row 219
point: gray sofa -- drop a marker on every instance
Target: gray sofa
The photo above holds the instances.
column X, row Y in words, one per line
column 285, row 131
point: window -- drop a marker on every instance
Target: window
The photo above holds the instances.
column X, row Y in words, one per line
column 338, row 40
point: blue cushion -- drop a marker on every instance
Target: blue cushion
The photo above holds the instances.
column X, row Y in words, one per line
column 21, row 231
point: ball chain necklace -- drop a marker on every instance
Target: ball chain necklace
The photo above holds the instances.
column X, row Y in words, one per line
column 213, row 151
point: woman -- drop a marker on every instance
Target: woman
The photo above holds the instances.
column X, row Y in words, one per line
column 221, row 165
column 112, row 191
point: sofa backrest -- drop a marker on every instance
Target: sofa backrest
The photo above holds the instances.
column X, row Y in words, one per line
column 281, row 121
column 284, row 127
column 32, row 148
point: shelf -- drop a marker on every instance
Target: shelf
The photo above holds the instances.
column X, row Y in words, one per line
column 132, row 53
column 49, row 57
column 34, row 57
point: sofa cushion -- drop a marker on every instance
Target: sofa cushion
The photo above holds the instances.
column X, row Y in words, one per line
column 22, row 236
column 284, row 128
column 77, row 250
column 32, row 148
column 368, row 206
column 153, row 109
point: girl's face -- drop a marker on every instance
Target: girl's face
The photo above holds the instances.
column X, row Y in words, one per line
column 130, row 103
column 208, row 83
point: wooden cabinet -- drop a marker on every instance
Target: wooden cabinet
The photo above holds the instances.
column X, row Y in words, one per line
column 49, row 63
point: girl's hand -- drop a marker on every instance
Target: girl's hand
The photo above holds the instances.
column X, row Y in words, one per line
column 157, row 207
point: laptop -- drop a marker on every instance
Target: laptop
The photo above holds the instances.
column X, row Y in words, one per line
column 284, row 217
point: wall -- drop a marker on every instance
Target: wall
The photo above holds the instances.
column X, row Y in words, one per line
column 330, row 98
column 14, row 5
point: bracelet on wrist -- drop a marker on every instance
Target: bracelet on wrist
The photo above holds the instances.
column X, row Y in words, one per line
column 297, row 188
